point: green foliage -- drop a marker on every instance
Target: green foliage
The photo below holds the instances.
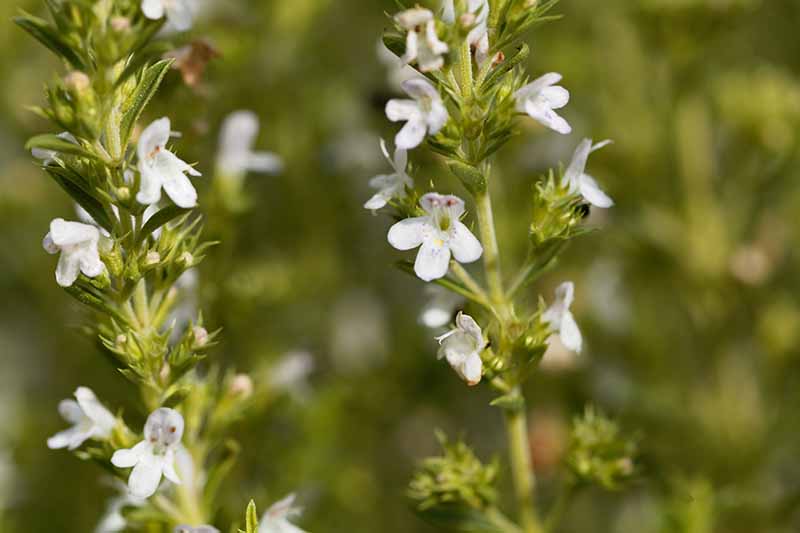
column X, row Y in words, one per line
column 598, row 451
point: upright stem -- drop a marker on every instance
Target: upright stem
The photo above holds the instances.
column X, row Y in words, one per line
column 516, row 421
column 521, row 470
column 491, row 252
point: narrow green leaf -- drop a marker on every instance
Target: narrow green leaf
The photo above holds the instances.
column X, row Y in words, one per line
column 519, row 56
column 49, row 141
column 42, row 31
column 472, row 178
column 164, row 216
column 251, row 518
column 86, row 201
column 146, row 88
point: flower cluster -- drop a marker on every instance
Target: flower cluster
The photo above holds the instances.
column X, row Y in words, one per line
column 463, row 104
column 131, row 259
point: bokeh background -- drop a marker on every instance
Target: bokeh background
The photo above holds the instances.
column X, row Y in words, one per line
column 687, row 297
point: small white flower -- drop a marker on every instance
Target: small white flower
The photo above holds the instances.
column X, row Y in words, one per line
column 440, row 234
column 422, row 43
column 155, row 455
column 235, row 155
column 276, row 519
column 77, row 243
column 179, row 12
column 49, row 156
column 439, row 310
column 479, row 34
column 161, row 168
column 425, row 113
column 390, row 186
column 578, row 181
column 462, row 348
column 540, row 97
column 560, row 319
column 89, row 419
column 196, row 529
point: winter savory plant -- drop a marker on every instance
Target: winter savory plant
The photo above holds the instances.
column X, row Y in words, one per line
column 129, row 258
column 469, row 92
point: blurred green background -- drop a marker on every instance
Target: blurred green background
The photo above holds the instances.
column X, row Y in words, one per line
column 688, row 297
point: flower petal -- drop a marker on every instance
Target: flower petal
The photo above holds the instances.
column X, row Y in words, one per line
column 128, row 457
column 437, row 118
column 433, row 260
column 153, row 9
column 591, row 191
column 95, row 410
column 412, row 134
column 570, row 334
column 472, row 369
column 577, row 165
column 70, row 411
column 547, row 117
column 67, row 269
column 398, row 110
column 420, row 88
column 408, row 233
column 465, row 246
column 153, row 138
column 177, row 186
column 556, row 96
column 66, row 439
column 146, row 476
column 64, row 233
column 378, row 201
column 150, row 186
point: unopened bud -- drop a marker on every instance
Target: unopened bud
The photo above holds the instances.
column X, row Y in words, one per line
column 123, row 194
column 200, row 336
column 186, row 259
column 121, row 339
column 77, row 81
column 241, row 386
column 120, row 24
column 152, row 258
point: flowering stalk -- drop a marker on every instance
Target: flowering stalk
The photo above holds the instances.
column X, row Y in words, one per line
column 131, row 259
column 469, row 93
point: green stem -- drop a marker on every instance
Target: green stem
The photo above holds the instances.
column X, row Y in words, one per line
column 491, row 252
column 521, row 469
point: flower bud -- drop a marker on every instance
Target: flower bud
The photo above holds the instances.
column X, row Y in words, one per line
column 200, row 335
column 123, row 194
column 151, row 260
column 120, row 24
column 186, row 260
column 77, row 81
column 241, row 386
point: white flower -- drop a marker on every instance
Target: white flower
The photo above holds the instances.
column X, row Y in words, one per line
column 425, row 113
column 235, row 155
column 89, row 419
column 578, row 181
column 77, row 243
column 540, row 97
column 440, row 233
column 422, row 43
column 196, row 529
column 390, row 186
column 479, row 34
column 462, row 348
column 438, row 312
column 49, row 156
column 276, row 519
column 179, row 12
column 560, row 319
column 155, row 455
column 161, row 168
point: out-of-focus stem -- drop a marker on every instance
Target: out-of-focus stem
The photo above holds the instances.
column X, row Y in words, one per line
column 521, row 470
